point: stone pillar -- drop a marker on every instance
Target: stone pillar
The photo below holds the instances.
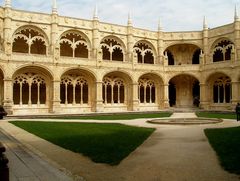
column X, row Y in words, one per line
column 56, row 97
column 7, row 31
column 206, row 58
column 55, row 48
column 95, row 38
column 135, row 99
column 204, row 102
column 129, row 56
column 99, row 97
column 160, row 52
column 166, row 96
column 8, row 95
column 237, row 39
column 235, row 92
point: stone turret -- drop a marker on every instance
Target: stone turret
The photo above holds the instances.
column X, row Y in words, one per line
column 8, row 4
column 54, row 7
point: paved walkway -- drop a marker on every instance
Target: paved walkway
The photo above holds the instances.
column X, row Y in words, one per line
column 24, row 165
column 172, row 153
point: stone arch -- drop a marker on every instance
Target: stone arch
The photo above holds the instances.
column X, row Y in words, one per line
column 117, row 91
column 184, row 90
column 113, row 48
column 31, row 40
column 146, row 52
column 183, row 53
column 74, row 43
column 32, row 90
column 219, row 88
column 77, row 90
column 150, row 89
column 222, row 49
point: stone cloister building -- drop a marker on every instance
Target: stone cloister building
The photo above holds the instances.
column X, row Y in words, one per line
column 56, row 64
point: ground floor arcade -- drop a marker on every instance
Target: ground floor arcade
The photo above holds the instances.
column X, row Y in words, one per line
column 33, row 90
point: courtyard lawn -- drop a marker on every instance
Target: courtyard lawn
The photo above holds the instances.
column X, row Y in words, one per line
column 102, row 143
column 226, row 143
column 216, row 115
column 119, row 116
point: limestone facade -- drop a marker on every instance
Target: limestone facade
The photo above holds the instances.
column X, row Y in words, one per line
column 56, row 64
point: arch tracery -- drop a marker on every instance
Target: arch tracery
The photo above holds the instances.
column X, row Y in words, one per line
column 29, row 40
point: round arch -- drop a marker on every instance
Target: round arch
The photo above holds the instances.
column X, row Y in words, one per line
column 165, row 47
column 117, row 39
column 147, row 43
column 32, row 90
column 33, row 27
column 82, row 34
column 183, row 53
column 77, row 89
column 117, row 91
column 218, row 40
column 184, row 90
column 219, row 88
column 150, row 91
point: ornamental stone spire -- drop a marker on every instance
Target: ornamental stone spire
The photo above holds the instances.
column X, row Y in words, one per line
column 159, row 25
column 54, row 7
column 8, row 4
column 236, row 18
column 95, row 13
column 129, row 19
column 205, row 25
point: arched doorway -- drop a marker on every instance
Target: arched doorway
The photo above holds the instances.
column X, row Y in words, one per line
column 184, row 91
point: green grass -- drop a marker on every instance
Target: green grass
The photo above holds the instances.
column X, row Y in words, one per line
column 102, row 143
column 119, row 116
column 216, row 115
column 226, row 143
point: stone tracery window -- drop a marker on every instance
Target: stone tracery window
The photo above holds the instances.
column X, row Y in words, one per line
column 74, row 90
column 112, row 50
column 113, row 90
column 72, row 44
column 144, row 52
column 223, row 51
column 222, row 90
column 29, row 40
column 146, row 91
column 30, row 89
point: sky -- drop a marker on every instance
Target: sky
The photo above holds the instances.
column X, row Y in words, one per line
column 175, row 15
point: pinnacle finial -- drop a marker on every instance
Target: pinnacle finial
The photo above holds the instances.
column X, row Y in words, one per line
column 8, row 4
column 129, row 19
column 95, row 13
column 236, row 18
column 205, row 25
column 54, row 7
column 159, row 25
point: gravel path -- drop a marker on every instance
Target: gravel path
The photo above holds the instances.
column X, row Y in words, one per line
column 172, row 153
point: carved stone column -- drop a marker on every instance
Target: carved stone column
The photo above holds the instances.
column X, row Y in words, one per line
column 56, row 97
column 166, row 96
column 135, row 100
column 99, row 97
column 8, row 96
